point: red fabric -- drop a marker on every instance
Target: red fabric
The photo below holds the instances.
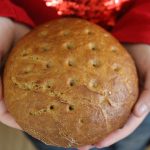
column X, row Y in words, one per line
column 8, row 9
column 37, row 10
column 133, row 27
column 101, row 12
column 40, row 13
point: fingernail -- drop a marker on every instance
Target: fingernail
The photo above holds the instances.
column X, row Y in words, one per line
column 100, row 146
column 143, row 109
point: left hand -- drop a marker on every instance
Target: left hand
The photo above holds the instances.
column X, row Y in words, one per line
column 141, row 55
column 10, row 33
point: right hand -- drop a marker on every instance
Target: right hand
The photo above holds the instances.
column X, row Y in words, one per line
column 10, row 33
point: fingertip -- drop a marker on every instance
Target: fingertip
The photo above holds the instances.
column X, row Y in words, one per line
column 101, row 144
column 140, row 110
column 87, row 147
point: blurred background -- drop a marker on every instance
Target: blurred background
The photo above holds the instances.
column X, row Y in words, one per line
column 12, row 139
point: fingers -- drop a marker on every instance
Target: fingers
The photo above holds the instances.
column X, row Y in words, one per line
column 143, row 104
column 140, row 111
column 119, row 134
column 87, row 147
column 6, row 118
column 6, row 34
column 20, row 31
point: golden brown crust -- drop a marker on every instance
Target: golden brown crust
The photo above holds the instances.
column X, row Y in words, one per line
column 70, row 83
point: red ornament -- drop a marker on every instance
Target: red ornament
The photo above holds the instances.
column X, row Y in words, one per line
column 103, row 12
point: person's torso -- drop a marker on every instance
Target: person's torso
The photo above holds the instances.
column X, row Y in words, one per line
column 103, row 12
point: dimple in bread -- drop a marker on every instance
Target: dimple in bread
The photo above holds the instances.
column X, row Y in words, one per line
column 70, row 83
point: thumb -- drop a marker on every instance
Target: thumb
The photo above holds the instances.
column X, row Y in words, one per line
column 142, row 106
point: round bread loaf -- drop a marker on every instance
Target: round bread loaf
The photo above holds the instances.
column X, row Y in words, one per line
column 70, row 83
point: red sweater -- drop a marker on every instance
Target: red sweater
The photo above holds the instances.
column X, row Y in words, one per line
column 132, row 27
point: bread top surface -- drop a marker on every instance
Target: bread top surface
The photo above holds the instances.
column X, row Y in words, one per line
column 70, row 83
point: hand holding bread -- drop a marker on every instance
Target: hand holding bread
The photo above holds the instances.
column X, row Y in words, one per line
column 141, row 55
column 10, row 32
column 70, row 83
